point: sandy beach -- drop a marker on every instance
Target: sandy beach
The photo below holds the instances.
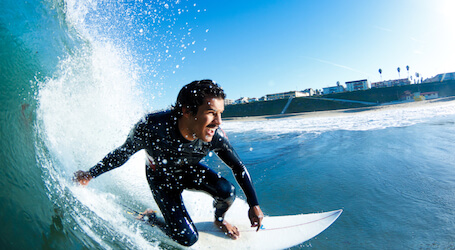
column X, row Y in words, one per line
column 344, row 112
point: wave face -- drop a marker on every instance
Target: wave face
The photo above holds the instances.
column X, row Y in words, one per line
column 74, row 74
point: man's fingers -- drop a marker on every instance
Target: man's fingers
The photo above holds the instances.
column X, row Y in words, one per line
column 259, row 226
column 256, row 223
column 82, row 177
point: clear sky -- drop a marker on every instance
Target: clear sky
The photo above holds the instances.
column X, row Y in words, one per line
column 254, row 48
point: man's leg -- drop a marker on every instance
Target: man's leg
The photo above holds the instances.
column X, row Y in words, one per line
column 179, row 225
column 205, row 179
column 223, row 192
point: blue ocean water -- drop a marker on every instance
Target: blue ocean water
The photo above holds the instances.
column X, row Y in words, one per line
column 72, row 86
column 391, row 171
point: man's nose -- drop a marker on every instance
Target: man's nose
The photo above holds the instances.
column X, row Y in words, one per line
column 218, row 119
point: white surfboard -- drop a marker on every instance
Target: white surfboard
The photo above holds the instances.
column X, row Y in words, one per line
column 277, row 232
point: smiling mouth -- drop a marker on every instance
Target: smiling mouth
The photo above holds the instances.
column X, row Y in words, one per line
column 211, row 129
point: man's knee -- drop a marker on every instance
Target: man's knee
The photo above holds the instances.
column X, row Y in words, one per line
column 185, row 238
column 183, row 233
column 226, row 195
column 226, row 190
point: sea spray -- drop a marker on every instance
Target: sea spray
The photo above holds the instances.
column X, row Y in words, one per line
column 87, row 108
column 84, row 112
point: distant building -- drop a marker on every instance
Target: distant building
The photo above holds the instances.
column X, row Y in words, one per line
column 418, row 96
column 391, row 83
column 442, row 77
column 407, row 96
column 309, row 91
column 334, row 89
column 228, row 101
column 430, row 95
column 357, row 85
column 241, row 100
column 285, row 95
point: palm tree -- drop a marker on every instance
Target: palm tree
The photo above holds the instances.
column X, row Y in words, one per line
column 380, row 73
column 398, row 72
column 407, row 68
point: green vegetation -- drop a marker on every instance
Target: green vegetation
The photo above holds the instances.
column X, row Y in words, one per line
column 310, row 104
column 383, row 95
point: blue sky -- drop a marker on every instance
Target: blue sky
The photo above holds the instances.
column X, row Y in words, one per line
column 254, row 48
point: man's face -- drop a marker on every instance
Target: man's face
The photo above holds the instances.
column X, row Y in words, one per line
column 203, row 124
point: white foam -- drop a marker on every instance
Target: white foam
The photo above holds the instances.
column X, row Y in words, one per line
column 86, row 110
column 370, row 120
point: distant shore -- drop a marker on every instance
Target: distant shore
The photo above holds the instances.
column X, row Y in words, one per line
column 343, row 112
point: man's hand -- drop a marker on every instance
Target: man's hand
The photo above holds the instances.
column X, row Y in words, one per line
column 255, row 214
column 82, row 177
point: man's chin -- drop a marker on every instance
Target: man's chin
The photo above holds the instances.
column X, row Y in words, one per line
column 207, row 138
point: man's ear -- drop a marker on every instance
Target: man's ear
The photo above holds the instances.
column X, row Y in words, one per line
column 186, row 112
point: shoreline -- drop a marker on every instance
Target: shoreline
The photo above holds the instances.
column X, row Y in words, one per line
column 343, row 112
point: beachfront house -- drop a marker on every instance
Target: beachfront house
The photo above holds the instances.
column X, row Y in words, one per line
column 442, row 77
column 334, row 89
column 241, row 100
column 418, row 96
column 228, row 101
column 430, row 95
column 357, row 85
column 391, row 83
column 309, row 92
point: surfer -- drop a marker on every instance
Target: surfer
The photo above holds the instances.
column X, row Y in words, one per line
column 175, row 142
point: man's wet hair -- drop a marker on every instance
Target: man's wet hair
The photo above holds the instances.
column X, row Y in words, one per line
column 193, row 94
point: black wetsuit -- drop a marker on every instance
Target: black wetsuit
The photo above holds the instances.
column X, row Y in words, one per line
column 173, row 164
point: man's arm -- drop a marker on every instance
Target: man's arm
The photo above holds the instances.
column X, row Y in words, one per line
column 227, row 153
column 114, row 159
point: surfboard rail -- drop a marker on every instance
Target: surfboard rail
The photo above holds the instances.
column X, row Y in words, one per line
column 277, row 232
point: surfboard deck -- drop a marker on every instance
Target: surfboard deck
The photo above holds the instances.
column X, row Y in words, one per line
column 277, row 232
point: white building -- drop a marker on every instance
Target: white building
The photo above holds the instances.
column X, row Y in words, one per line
column 285, row 95
column 334, row 89
column 228, row 101
column 391, row 83
column 430, row 95
column 241, row 100
column 442, row 77
column 309, row 91
column 418, row 96
column 357, row 85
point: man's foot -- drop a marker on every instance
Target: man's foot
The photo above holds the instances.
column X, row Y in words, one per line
column 228, row 229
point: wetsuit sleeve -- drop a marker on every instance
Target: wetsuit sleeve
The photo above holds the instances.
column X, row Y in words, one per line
column 224, row 150
column 120, row 155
